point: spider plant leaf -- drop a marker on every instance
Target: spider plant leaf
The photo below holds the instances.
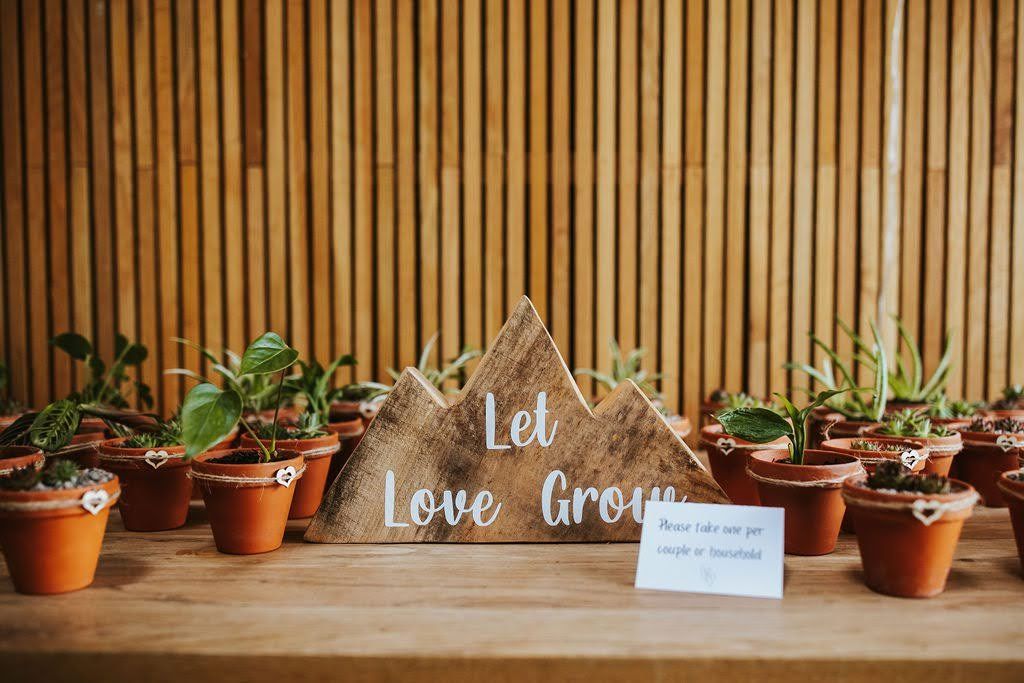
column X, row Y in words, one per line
column 184, row 372
column 915, row 356
column 881, row 378
column 428, row 348
column 937, row 383
column 599, row 377
column 266, row 355
column 616, row 358
column 758, row 425
column 208, row 415
column 55, row 425
column 812, row 372
column 844, row 371
column 206, row 353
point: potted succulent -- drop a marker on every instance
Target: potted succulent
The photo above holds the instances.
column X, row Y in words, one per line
column 727, row 455
column 1011, row 486
column 1010, row 404
column 907, row 528
column 949, row 413
column 804, row 482
column 627, row 367
column 52, row 523
column 248, row 491
column 10, row 407
column 908, row 386
column 313, row 385
column 943, row 441
column 377, row 392
column 151, row 465
column 991, row 446
column 853, row 411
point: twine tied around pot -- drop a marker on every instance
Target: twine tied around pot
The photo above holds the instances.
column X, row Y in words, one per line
column 924, row 510
column 284, row 476
column 1004, row 442
column 323, row 450
column 78, row 448
column 151, row 457
column 92, row 501
column 833, row 483
column 37, row 465
column 728, row 445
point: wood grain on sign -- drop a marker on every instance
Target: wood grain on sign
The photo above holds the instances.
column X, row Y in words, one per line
column 419, row 442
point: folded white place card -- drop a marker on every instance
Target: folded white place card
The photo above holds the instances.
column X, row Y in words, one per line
column 722, row 549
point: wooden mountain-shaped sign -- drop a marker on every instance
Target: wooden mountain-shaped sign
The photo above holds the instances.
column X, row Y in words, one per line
column 518, row 456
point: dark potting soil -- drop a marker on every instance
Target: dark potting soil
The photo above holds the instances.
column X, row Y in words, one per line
column 247, row 457
column 30, row 479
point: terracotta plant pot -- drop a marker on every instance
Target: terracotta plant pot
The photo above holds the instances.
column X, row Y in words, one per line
column 727, row 456
column 809, row 493
column 287, row 414
column 707, row 412
column 7, row 420
column 350, row 433
column 14, row 458
column 344, row 411
column 309, row 490
column 1011, row 485
column 247, row 503
column 51, row 539
column 155, row 488
column 984, row 459
column 1012, row 413
column 825, row 424
column 941, row 449
column 83, row 449
column 869, row 459
column 91, row 425
column 907, row 540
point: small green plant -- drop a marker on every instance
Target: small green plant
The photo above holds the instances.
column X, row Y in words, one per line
column 209, row 413
column 877, row 446
column 854, row 405
column 944, row 409
column 889, row 476
column 760, row 425
column 1005, row 425
column 106, row 386
column 161, row 433
column 8, row 404
column 258, row 392
column 913, row 423
column 907, row 382
column 309, row 426
column 1012, row 398
column 60, row 474
column 625, row 367
column 456, row 369
column 314, row 384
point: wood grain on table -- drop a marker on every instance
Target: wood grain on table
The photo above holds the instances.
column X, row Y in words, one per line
column 168, row 606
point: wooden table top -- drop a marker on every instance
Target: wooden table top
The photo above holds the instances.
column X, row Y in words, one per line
column 168, row 606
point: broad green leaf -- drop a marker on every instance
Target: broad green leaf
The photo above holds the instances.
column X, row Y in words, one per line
column 267, row 355
column 14, row 432
column 134, row 354
column 54, row 427
column 75, row 345
column 758, row 425
column 207, row 353
column 208, row 415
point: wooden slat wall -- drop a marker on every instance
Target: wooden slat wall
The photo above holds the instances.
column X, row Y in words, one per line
column 708, row 179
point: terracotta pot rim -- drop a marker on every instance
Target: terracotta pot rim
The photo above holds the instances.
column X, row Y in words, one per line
column 988, row 436
column 857, row 487
column 135, row 458
column 831, row 444
column 769, row 464
column 58, row 494
column 11, row 452
column 347, row 429
column 300, row 446
column 203, row 460
column 1013, row 482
